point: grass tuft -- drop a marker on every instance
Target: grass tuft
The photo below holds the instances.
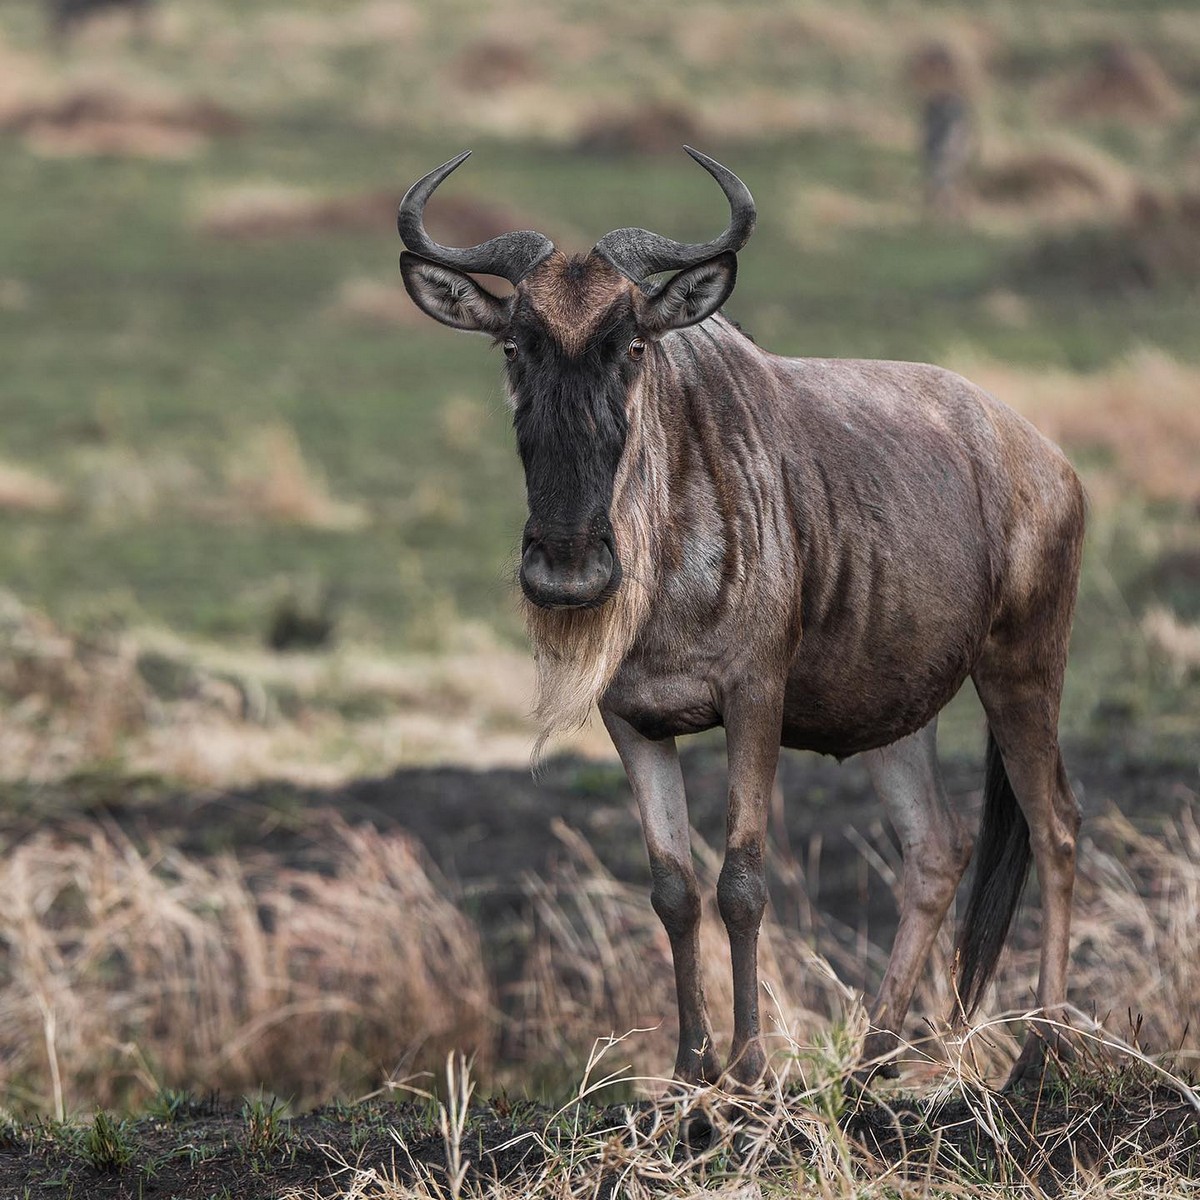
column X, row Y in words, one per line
column 107, row 1145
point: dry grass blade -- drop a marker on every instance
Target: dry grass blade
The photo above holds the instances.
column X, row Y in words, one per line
column 222, row 975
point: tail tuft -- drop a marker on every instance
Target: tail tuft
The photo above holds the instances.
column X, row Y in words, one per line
column 1002, row 859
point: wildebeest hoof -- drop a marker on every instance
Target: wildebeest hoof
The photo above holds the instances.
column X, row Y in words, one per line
column 878, row 1059
column 696, row 1132
column 1041, row 1059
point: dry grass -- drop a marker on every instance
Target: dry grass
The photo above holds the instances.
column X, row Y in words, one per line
column 1139, row 897
column 1138, row 904
column 600, row 964
column 207, row 715
column 266, row 477
column 276, row 210
column 1123, row 82
column 1143, row 416
column 270, row 477
column 127, row 970
column 273, row 210
column 1175, row 642
column 370, row 302
column 65, row 700
column 819, row 215
column 23, row 490
column 802, row 1136
column 106, row 119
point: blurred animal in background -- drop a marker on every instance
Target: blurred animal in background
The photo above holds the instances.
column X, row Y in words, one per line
column 66, row 16
column 809, row 552
column 947, row 135
column 303, row 621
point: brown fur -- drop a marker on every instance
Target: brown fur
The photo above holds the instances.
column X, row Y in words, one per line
column 572, row 294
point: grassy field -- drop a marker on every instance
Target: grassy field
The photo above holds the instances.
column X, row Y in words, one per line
column 216, row 400
column 222, row 421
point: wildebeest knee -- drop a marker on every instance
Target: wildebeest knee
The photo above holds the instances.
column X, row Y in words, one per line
column 959, row 850
column 934, row 867
column 675, row 896
column 742, row 888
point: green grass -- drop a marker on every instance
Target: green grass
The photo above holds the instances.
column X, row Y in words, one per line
column 144, row 342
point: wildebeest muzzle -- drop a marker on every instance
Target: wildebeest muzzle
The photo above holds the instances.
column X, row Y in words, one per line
column 570, row 568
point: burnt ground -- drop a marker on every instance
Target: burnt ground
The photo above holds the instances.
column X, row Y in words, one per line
column 202, row 1150
column 485, row 831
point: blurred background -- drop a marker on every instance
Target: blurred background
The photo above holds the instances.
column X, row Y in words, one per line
column 258, row 516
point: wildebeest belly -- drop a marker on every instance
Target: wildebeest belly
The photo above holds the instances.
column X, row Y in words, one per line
column 856, row 684
column 844, row 713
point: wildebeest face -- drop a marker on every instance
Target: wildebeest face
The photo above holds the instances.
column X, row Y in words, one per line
column 575, row 334
column 570, row 337
column 573, row 354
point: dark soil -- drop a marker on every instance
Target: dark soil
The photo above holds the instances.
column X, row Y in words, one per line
column 207, row 1150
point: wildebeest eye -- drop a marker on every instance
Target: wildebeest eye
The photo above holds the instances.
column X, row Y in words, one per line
column 637, row 348
column 510, row 350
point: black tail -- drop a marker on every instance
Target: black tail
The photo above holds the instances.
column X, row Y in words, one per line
column 1002, row 859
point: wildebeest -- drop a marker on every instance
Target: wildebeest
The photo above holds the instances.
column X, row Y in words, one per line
column 814, row 553
column 947, row 139
column 946, row 148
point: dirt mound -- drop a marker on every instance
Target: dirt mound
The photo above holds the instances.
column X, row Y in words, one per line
column 270, row 211
column 491, row 65
column 1125, row 83
column 1037, row 177
column 1063, row 182
column 651, row 129
column 1157, row 246
column 108, row 121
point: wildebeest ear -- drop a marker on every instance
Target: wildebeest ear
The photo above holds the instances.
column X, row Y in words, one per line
column 690, row 296
column 453, row 298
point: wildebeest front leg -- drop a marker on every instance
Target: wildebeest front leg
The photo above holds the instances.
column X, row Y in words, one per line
column 657, row 783
column 752, row 734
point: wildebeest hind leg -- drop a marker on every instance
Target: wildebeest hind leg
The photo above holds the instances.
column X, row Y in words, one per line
column 1022, row 713
column 657, row 783
column 936, row 848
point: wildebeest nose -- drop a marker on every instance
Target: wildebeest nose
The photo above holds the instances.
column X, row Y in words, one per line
column 566, row 581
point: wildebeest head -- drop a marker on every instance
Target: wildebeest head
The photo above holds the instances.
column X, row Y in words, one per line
column 577, row 333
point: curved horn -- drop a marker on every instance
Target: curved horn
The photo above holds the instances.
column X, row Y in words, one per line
column 511, row 255
column 637, row 253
